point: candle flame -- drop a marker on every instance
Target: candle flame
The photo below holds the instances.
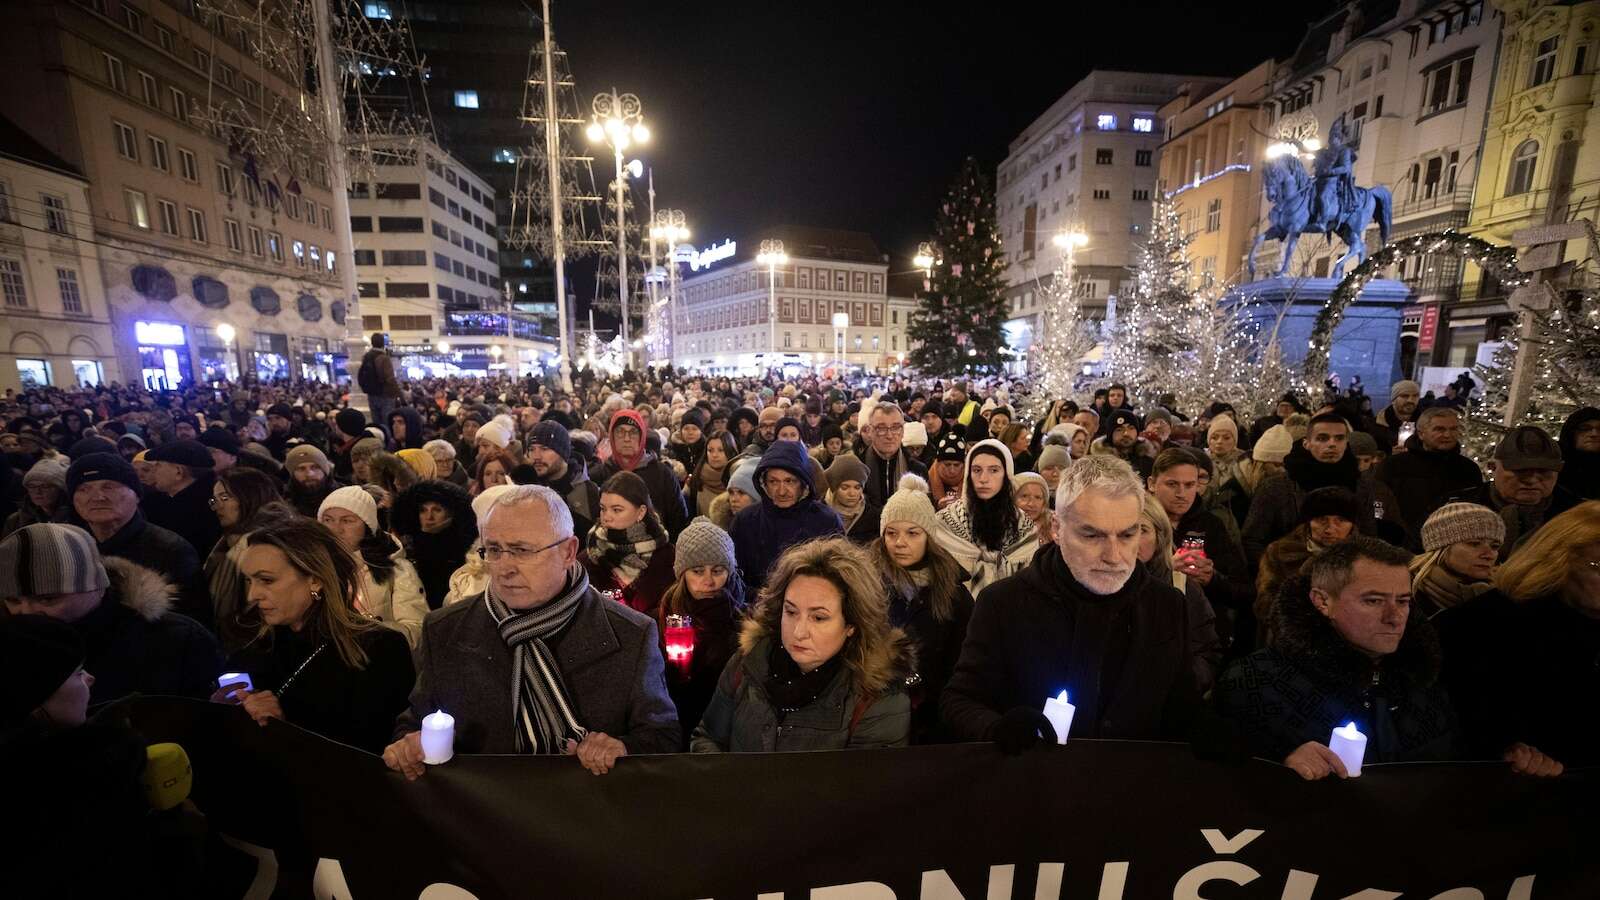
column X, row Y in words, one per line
column 1063, row 697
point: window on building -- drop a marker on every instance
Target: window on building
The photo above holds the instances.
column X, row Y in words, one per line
column 1105, row 122
column 225, row 179
column 71, row 297
column 138, row 210
column 1144, row 123
column 400, row 224
column 33, row 372
column 149, row 91
column 1214, row 216
column 6, row 214
column 1523, row 163
column 405, row 257
column 298, row 249
column 180, row 104
column 1448, row 85
column 168, row 212
column 366, row 257
column 376, row 11
column 231, row 232
column 197, row 225
column 202, row 61
column 1544, row 61
column 314, row 254
column 406, row 289
column 116, row 76
column 1102, row 193
column 254, row 234
column 55, row 213
column 16, row 293
column 166, row 39
column 1141, row 157
column 188, row 168
column 1141, row 194
column 1058, row 171
column 226, row 75
column 275, row 246
column 1103, row 156
column 158, row 153
column 1072, row 162
column 1450, row 170
column 1432, row 175
column 467, row 99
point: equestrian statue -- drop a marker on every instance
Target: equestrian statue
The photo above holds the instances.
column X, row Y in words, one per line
column 1325, row 202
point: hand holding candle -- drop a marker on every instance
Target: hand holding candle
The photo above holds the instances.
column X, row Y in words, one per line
column 1350, row 745
column 229, row 684
column 1059, row 712
column 438, row 738
column 679, row 639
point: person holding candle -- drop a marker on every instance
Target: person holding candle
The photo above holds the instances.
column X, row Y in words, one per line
column 1084, row 617
column 391, row 591
column 316, row 662
column 928, row 597
column 1344, row 648
column 1156, row 555
column 708, row 591
column 983, row 530
column 586, row 674
column 627, row 552
column 819, row 666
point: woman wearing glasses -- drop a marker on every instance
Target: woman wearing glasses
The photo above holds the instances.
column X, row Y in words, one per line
column 243, row 501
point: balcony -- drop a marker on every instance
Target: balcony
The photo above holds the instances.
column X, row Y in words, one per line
column 1458, row 199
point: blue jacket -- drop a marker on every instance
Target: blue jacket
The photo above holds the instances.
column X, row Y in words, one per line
column 762, row 531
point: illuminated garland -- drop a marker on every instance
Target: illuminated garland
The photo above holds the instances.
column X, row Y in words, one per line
column 1496, row 260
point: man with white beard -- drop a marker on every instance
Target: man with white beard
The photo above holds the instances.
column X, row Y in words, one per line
column 1089, row 620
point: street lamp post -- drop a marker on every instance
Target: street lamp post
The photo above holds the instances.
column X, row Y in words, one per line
column 618, row 122
column 841, row 324
column 671, row 226
column 772, row 256
column 924, row 259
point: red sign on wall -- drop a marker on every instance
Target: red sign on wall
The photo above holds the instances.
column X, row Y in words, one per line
column 1429, row 328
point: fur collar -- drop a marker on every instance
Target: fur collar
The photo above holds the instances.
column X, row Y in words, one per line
column 885, row 669
column 1307, row 637
column 142, row 590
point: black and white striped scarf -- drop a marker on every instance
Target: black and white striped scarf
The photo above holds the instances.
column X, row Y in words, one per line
column 540, row 706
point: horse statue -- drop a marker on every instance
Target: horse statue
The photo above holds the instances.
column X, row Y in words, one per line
column 1326, row 203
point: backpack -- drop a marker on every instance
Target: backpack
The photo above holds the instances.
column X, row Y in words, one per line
column 367, row 375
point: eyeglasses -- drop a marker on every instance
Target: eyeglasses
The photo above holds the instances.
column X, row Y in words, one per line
column 887, row 430
column 517, row 553
column 215, row 500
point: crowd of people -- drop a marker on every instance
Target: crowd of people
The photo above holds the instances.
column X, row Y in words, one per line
column 674, row 563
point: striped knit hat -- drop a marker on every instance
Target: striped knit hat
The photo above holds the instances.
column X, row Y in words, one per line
column 1453, row 523
column 50, row 559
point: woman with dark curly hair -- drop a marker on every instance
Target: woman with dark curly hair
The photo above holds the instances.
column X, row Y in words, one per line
column 435, row 523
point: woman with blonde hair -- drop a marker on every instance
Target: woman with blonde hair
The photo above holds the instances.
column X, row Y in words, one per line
column 819, row 666
column 1520, row 660
column 316, row 661
column 1460, row 546
column 1155, row 554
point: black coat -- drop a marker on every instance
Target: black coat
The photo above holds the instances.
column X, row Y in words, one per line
column 187, row 514
column 666, row 495
column 352, row 706
column 167, row 554
column 882, row 472
column 716, row 639
column 1523, row 672
column 937, row 647
column 1275, row 508
column 1526, row 520
column 436, row 556
column 1311, row 681
column 135, row 643
column 1122, row 658
column 1421, row 479
column 1232, row 590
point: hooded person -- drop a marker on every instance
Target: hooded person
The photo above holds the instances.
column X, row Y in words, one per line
column 790, row 511
column 134, row 641
column 1580, row 449
column 629, row 453
column 435, row 522
column 405, row 428
column 983, row 529
column 44, row 495
column 847, row 481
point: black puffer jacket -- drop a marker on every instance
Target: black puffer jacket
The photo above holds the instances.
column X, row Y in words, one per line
column 1311, row 681
column 135, row 643
column 1421, row 479
column 436, row 556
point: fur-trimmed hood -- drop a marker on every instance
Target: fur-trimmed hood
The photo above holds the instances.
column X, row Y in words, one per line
column 884, row 670
column 1306, row 636
column 390, row 472
column 140, row 589
column 405, row 515
column 1102, row 446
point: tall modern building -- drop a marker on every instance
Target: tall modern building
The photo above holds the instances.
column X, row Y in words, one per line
column 208, row 265
column 1086, row 163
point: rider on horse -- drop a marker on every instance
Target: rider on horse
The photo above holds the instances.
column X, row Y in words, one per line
column 1334, row 173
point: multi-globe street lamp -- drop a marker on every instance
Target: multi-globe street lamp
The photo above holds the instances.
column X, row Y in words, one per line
column 672, row 226
column 618, row 122
column 772, row 256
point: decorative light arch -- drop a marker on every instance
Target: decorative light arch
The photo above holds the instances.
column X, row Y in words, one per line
column 1498, row 261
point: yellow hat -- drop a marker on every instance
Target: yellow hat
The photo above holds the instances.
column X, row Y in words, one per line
column 420, row 461
column 139, row 457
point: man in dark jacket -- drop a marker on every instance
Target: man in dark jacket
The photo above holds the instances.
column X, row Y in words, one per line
column 1087, row 619
column 1580, row 451
column 227, row 452
column 609, row 698
column 310, row 479
column 1205, row 550
column 181, row 501
column 790, row 511
column 1431, row 469
column 280, row 428
column 1321, row 459
column 550, row 454
column 1522, row 486
column 349, row 426
column 1404, row 396
column 377, row 378
column 629, row 454
column 886, row 457
column 104, row 491
column 133, row 640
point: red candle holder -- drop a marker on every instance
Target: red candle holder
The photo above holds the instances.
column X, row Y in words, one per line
column 679, row 638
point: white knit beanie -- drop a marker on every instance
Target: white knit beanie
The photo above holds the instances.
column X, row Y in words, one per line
column 916, row 435
column 495, row 433
column 909, row 503
column 355, row 499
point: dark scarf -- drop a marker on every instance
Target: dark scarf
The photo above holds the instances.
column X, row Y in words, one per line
column 1311, row 474
column 541, row 709
column 790, row 689
column 625, row 552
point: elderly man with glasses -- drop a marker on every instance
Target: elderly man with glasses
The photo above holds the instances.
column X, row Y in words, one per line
column 886, row 457
column 538, row 663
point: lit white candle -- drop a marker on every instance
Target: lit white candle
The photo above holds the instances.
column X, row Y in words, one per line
column 1059, row 712
column 438, row 738
column 1350, row 745
column 240, row 678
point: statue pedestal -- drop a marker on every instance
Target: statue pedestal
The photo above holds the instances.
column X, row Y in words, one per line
column 1366, row 343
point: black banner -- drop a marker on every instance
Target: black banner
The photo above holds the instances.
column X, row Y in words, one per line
column 1094, row 819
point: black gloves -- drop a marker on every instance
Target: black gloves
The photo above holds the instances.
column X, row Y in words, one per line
column 1020, row 728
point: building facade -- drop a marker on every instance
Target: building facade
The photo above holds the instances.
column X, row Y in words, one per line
column 211, row 265
column 1210, row 167
column 1541, row 151
column 56, row 328
column 428, row 267
column 1412, row 80
column 722, row 325
column 1086, row 164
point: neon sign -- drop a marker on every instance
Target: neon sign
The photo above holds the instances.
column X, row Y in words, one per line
column 702, row 259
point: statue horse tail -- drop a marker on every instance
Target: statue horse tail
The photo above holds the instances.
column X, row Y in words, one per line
column 1382, row 211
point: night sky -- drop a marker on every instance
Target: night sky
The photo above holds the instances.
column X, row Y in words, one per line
column 857, row 115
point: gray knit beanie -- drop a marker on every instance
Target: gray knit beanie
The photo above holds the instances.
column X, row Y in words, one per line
column 910, row 504
column 1053, row 455
column 702, row 543
column 846, row 467
column 52, row 470
column 1453, row 523
column 49, row 559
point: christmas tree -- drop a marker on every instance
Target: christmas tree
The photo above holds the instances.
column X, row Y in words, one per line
column 1225, row 359
column 959, row 328
column 1151, row 341
column 1068, row 337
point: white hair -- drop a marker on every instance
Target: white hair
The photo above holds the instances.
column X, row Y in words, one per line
column 437, row 445
column 1102, row 473
column 530, row 495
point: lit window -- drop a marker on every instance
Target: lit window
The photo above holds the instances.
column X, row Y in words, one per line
column 467, row 99
column 505, row 155
column 1105, row 122
column 376, row 11
column 1142, row 123
column 299, row 249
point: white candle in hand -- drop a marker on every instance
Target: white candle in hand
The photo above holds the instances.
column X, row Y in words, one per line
column 1350, row 745
column 239, row 678
column 438, row 738
column 1059, row 712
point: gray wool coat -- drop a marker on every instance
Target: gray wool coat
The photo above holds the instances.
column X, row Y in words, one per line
column 609, row 658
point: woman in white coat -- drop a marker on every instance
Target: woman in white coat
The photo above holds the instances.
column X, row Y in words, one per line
column 983, row 529
column 391, row 591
